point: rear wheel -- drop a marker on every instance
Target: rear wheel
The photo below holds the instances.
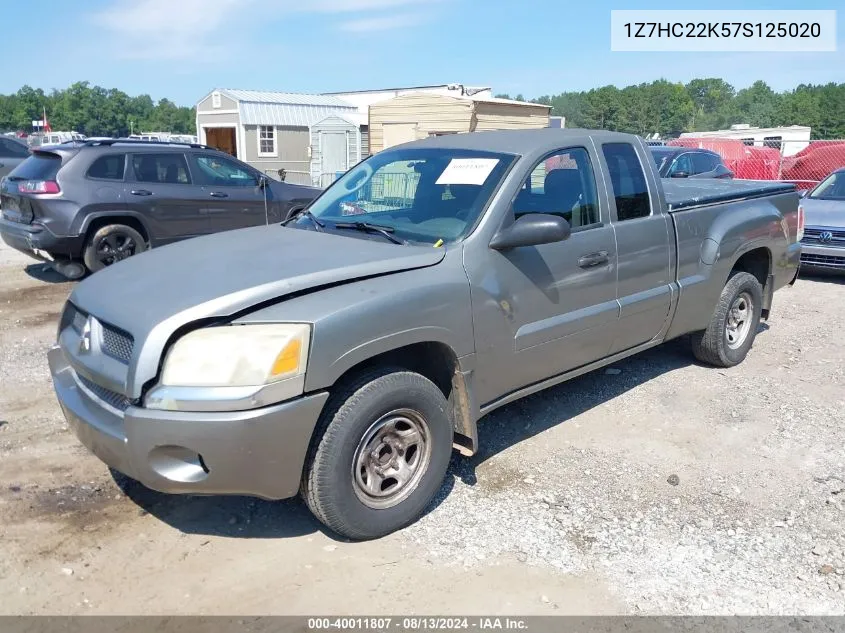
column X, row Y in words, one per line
column 732, row 330
column 110, row 244
column 383, row 454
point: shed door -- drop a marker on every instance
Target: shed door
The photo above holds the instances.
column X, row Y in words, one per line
column 398, row 133
column 333, row 145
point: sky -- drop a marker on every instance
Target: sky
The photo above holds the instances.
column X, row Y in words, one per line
column 183, row 49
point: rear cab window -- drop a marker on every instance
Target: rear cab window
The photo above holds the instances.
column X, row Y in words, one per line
column 109, row 167
column 169, row 168
column 627, row 178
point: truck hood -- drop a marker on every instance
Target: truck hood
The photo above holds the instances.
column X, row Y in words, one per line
column 153, row 294
column 827, row 213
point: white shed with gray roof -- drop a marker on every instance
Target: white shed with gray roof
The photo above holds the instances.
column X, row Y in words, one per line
column 272, row 131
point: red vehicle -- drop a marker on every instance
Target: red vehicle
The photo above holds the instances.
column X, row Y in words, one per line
column 814, row 163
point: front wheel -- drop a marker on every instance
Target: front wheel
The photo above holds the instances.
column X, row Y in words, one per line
column 383, row 454
column 731, row 332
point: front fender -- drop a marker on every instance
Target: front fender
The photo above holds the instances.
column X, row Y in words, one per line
column 355, row 321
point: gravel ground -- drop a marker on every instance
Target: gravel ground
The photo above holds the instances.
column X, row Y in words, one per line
column 658, row 486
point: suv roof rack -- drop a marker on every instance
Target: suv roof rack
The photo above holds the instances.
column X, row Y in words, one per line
column 133, row 141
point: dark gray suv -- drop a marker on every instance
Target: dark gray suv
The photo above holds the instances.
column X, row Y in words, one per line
column 83, row 206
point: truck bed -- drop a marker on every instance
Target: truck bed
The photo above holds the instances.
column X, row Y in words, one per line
column 698, row 192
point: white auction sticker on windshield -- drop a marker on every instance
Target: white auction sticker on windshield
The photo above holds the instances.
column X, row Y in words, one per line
column 467, row 171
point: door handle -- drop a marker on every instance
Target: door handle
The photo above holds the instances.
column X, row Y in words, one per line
column 141, row 192
column 593, row 259
column 218, row 194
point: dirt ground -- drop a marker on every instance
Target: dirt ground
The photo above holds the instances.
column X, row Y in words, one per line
column 662, row 486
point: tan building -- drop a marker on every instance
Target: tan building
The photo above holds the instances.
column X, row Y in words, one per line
column 305, row 135
column 415, row 116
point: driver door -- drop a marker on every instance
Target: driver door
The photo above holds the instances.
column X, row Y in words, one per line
column 544, row 310
column 232, row 197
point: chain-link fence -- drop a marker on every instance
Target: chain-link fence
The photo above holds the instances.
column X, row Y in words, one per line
column 804, row 163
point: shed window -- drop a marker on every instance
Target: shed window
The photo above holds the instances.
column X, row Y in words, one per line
column 775, row 142
column 215, row 100
column 266, row 140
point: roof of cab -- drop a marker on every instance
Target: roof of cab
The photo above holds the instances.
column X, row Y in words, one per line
column 519, row 141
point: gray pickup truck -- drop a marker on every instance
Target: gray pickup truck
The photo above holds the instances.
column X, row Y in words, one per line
column 345, row 354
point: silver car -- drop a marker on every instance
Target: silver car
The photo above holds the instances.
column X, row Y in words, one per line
column 12, row 152
column 823, row 246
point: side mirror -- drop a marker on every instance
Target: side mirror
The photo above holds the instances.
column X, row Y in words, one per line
column 680, row 174
column 532, row 229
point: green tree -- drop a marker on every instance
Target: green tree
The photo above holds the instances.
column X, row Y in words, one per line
column 712, row 99
column 758, row 105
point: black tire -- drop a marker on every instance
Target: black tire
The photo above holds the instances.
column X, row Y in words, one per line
column 121, row 240
column 329, row 484
column 714, row 345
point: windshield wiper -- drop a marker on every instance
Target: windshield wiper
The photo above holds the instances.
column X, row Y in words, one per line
column 319, row 224
column 366, row 227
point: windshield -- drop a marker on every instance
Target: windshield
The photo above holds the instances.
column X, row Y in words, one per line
column 832, row 188
column 421, row 195
column 661, row 157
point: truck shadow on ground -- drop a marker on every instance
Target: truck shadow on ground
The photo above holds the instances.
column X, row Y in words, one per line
column 45, row 273
column 823, row 276
column 225, row 516
column 535, row 414
column 230, row 516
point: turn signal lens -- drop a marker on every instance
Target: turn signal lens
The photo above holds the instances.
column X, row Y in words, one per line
column 287, row 362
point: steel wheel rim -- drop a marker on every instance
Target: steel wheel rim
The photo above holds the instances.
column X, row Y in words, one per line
column 115, row 247
column 738, row 321
column 391, row 459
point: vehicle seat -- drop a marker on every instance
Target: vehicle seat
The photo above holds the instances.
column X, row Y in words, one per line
column 172, row 174
column 148, row 170
column 563, row 189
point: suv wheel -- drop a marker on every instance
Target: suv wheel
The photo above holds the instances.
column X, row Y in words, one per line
column 384, row 446
column 110, row 244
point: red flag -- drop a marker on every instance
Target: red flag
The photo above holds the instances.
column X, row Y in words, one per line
column 46, row 127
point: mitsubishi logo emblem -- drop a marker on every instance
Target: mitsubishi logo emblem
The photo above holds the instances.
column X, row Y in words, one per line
column 85, row 337
column 825, row 237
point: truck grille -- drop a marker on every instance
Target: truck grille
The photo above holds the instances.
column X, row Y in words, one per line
column 116, row 400
column 117, row 343
column 813, row 236
column 114, row 342
column 823, row 261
